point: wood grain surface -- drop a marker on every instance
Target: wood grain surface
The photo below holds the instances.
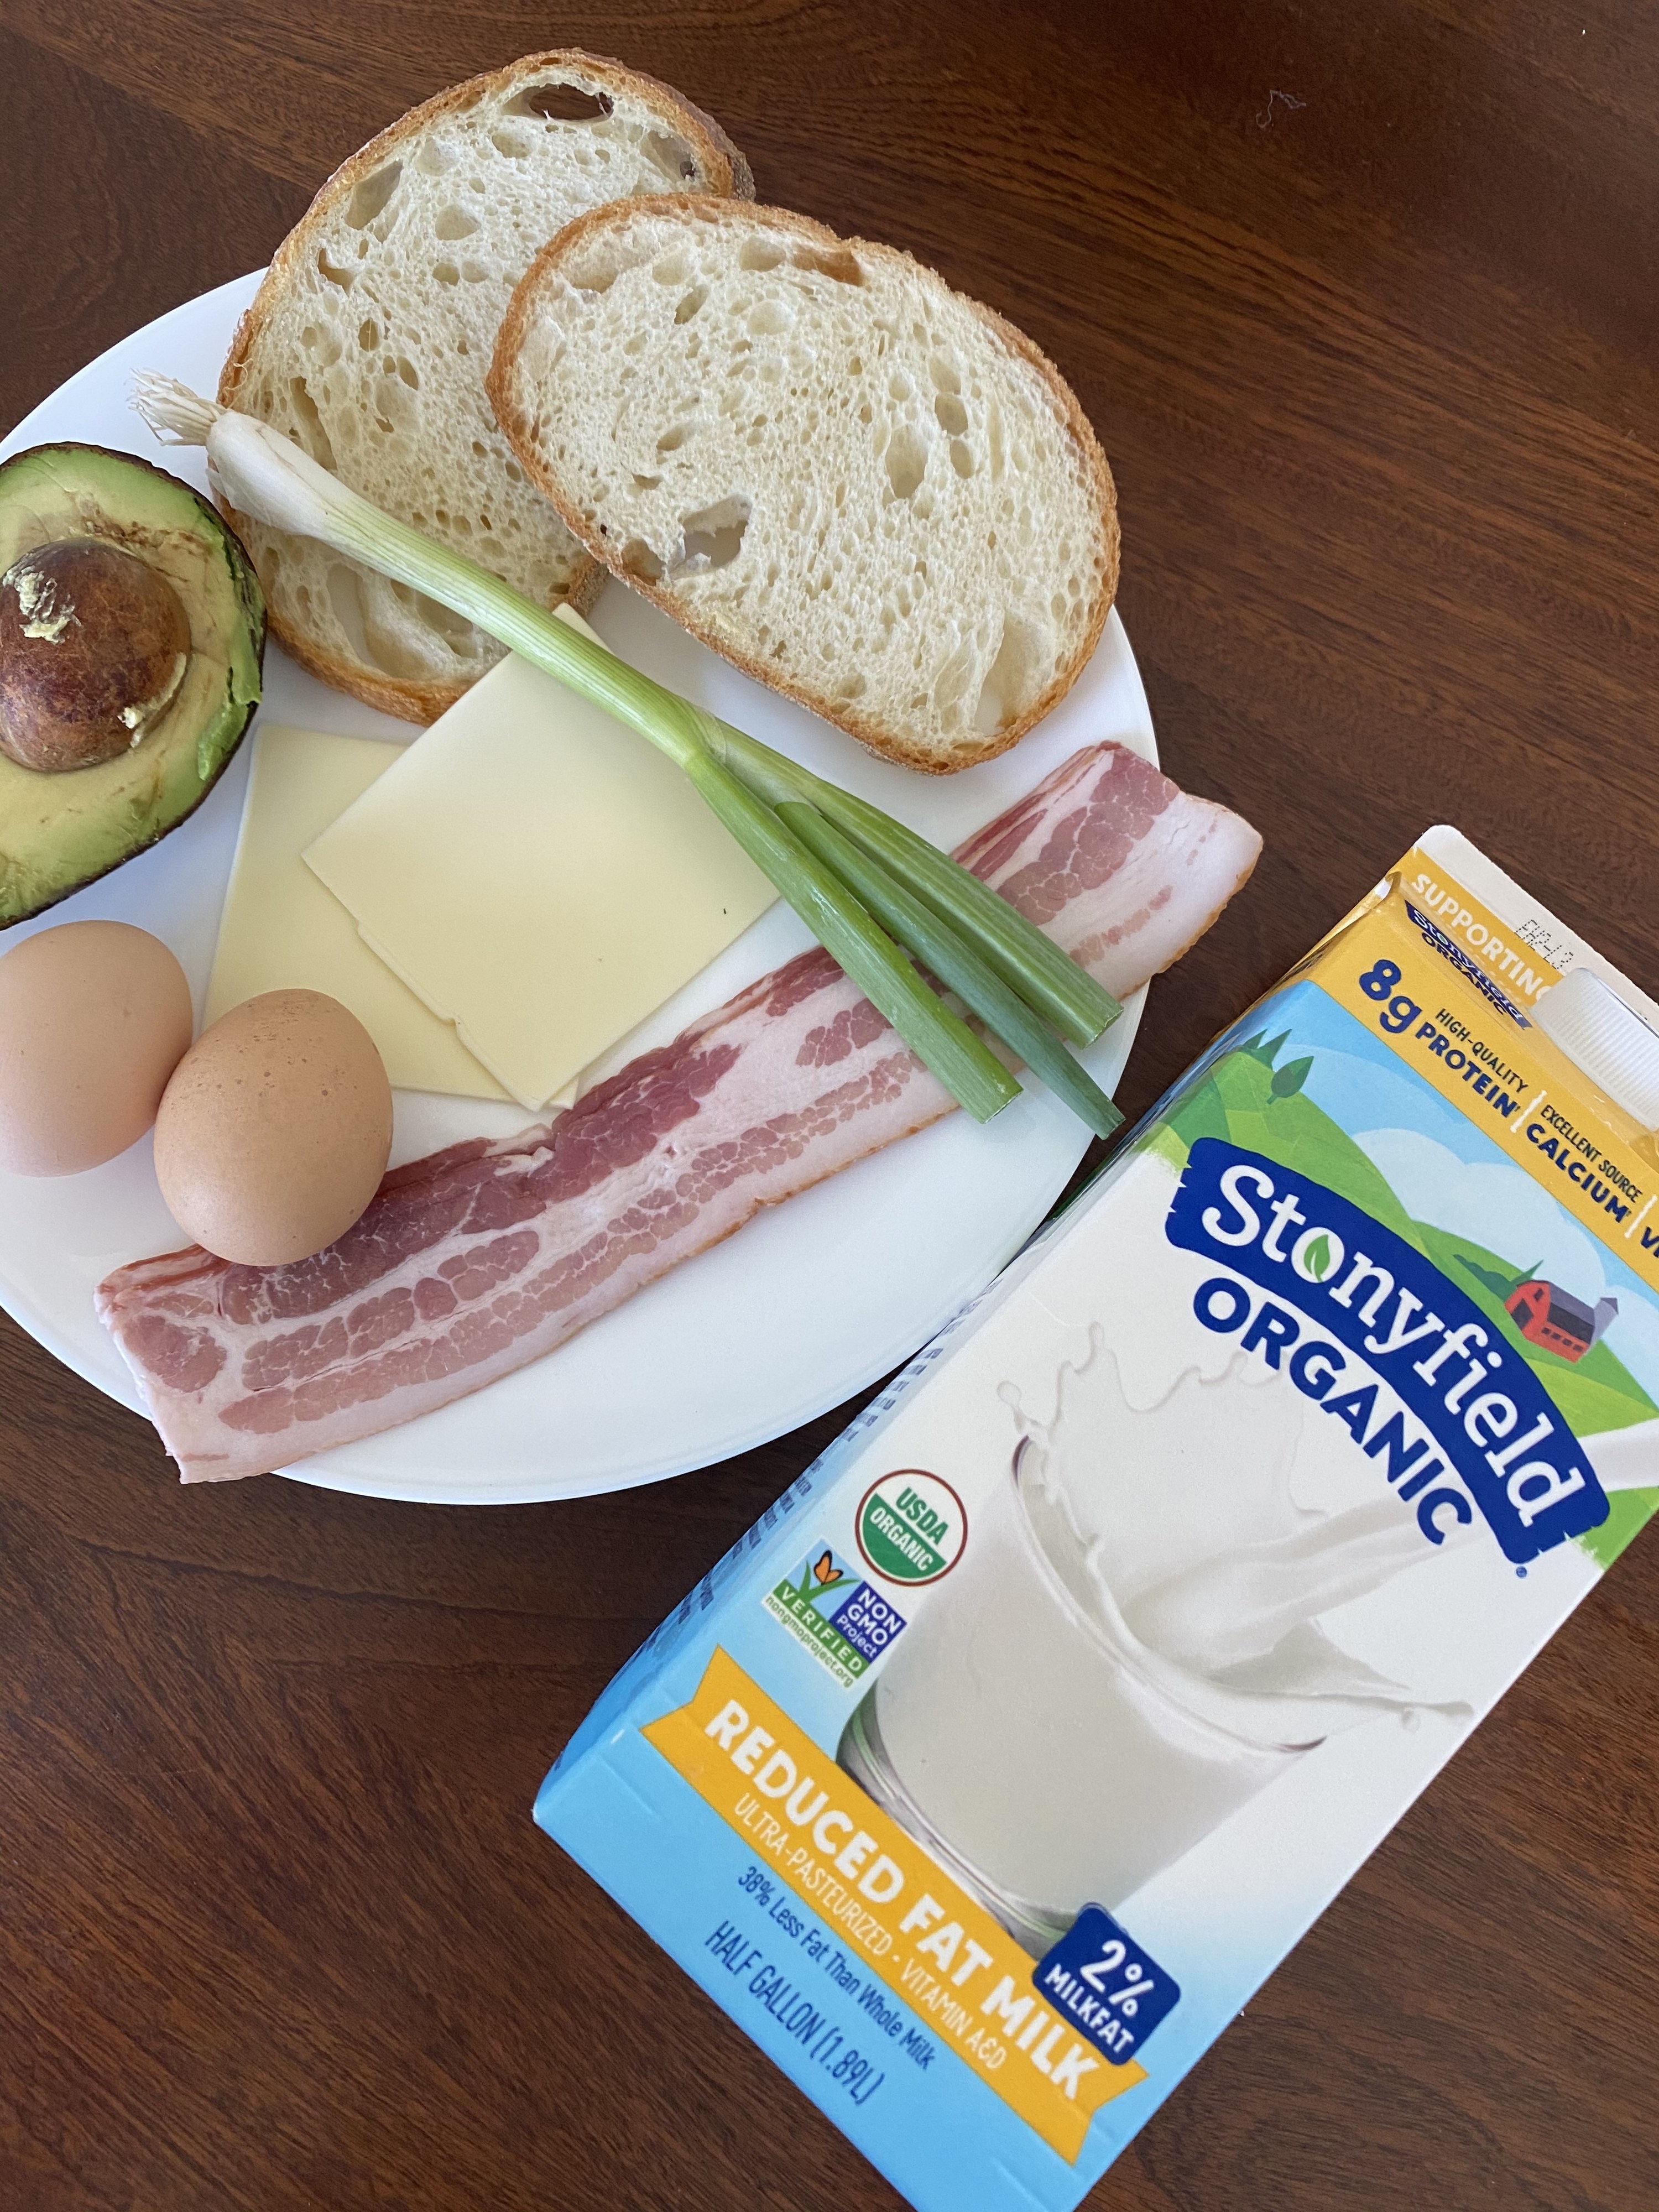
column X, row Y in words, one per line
column 1362, row 300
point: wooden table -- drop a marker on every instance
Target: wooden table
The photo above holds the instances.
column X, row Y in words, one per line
column 1363, row 302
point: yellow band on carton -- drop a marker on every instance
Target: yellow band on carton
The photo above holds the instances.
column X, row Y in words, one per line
column 891, row 1903
column 1510, row 1081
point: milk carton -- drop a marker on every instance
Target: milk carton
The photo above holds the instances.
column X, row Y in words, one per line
column 985, row 1778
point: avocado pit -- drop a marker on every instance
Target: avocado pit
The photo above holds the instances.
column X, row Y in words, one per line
column 93, row 645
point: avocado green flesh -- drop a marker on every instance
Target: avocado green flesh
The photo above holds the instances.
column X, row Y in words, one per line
column 59, row 832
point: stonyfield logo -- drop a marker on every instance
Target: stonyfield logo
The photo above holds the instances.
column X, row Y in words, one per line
column 1437, row 1393
column 911, row 1526
column 829, row 1607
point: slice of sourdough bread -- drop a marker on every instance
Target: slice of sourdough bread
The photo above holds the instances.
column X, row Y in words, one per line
column 864, row 488
column 369, row 340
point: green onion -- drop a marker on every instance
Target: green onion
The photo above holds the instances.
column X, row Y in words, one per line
column 958, row 966
column 932, row 902
column 972, row 1074
column 1032, row 964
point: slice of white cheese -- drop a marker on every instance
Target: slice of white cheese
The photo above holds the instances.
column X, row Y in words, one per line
column 540, row 875
column 280, row 930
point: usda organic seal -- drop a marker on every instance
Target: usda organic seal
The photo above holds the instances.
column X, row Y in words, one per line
column 911, row 1526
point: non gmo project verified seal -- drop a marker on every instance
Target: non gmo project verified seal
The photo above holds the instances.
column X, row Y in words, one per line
column 1097, row 1978
column 829, row 1607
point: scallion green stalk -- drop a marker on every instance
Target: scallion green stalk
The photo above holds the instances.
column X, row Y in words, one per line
column 921, row 932
column 1030, row 963
column 842, row 924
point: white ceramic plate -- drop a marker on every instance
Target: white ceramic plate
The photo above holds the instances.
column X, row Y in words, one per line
column 810, row 1302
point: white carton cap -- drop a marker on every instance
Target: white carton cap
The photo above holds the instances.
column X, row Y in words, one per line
column 1611, row 1042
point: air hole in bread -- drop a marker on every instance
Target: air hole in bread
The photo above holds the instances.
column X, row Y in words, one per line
column 713, row 537
column 841, row 265
column 559, row 103
column 324, row 342
column 952, row 683
column 598, row 273
column 770, row 318
column 962, row 459
column 645, row 483
column 368, row 335
column 463, row 640
column 474, row 272
column 454, row 222
column 1012, row 679
column 512, row 143
column 952, row 413
column 672, row 156
column 759, row 254
column 943, row 375
column 689, row 305
column 851, row 687
column 406, row 370
column 345, row 278
column 671, row 268
column 638, row 560
column 372, row 195
column 429, row 618
column 672, row 440
column 907, row 461
column 308, row 422
column 345, row 600
column 436, row 157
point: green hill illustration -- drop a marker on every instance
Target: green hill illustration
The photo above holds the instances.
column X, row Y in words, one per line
column 1251, row 1098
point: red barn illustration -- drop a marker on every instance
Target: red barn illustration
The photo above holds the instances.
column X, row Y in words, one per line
column 1546, row 1315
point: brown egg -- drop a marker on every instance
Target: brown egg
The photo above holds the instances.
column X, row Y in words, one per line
column 94, row 1015
column 273, row 1132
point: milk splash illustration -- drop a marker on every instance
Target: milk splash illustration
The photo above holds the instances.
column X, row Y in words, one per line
column 1131, row 1648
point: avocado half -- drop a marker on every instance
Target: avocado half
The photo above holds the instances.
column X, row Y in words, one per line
column 59, row 832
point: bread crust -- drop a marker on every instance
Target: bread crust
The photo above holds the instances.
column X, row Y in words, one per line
column 799, row 229
column 722, row 162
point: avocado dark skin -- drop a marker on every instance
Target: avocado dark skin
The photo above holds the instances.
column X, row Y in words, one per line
column 132, row 631
column 93, row 645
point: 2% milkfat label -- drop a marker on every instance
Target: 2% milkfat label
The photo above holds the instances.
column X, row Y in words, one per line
column 1100, row 1983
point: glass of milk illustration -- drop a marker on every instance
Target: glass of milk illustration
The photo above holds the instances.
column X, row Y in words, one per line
column 1127, row 1650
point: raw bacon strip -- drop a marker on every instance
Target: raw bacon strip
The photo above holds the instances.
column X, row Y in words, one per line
column 474, row 1261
